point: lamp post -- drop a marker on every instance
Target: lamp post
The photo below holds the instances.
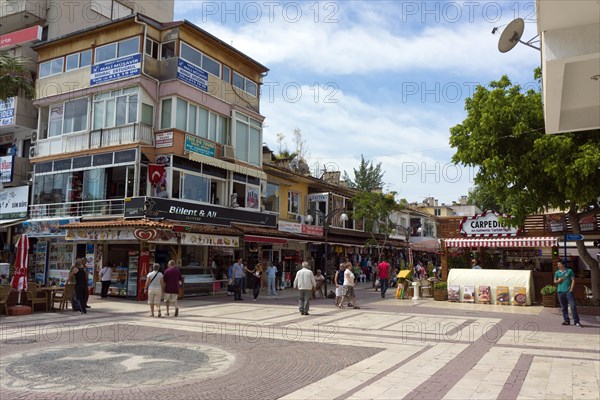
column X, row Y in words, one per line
column 326, row 218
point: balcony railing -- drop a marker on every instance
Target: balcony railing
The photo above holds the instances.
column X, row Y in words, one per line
column 94, row 208
column 106, row 137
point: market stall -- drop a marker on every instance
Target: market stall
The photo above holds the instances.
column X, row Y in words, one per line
column 471, row 282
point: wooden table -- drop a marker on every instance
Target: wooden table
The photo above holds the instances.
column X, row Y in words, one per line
column 50, row 291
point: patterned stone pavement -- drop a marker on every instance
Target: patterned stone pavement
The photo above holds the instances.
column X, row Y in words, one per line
column 218, row 349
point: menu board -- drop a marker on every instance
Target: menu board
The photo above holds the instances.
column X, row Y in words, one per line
column 520, row 297
column 454, row 293
column 468, row 294
column 502, row 295
column 484, row 295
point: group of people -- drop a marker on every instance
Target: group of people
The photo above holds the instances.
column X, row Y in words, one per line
column 238, row 273
column 159, row 286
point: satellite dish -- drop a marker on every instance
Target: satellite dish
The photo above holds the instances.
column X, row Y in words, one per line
column 511, row 35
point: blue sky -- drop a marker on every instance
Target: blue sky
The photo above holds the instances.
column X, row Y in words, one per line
column 385, row 79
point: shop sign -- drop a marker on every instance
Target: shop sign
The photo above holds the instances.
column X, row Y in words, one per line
column 125, row 67
column 196, row 144
column 6, row 168
column 317, row 197
column 312, row 230
column 164, row 139
column 6, row 139
column 294, row 227
column 487, row 224
column 198, row 213
column 47, row 227
column 587, row 223
column 21, row 36
column 192, row 75
column 99, row 234
column 14, row 202
column 197, row 239
column 556, row 222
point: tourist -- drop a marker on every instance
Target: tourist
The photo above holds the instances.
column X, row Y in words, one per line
column 78, row 275
column 384, row 275
column 565, row 279
column 348, row 288
column 271, row 280
column 304, row 282
column 155, row 287
column 105, row 278
column 173, row 280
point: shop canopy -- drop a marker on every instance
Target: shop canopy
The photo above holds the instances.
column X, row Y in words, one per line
column 503, row 242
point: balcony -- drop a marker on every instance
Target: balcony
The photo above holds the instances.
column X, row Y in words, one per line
column 93, row 208
column 102, row 138
column 18, row 14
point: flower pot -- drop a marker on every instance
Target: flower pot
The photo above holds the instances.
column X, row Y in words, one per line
column 549, row 300
column 440, row 294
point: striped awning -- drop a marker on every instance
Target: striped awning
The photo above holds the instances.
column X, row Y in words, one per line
column 503, row 242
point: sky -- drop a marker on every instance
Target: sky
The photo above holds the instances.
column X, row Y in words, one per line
column 385, row 80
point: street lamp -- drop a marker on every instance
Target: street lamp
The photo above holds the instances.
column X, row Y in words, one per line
column 326, row 218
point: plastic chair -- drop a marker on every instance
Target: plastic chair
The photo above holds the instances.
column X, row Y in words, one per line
column 34, row 298
column 4, row 293
column 64, row 297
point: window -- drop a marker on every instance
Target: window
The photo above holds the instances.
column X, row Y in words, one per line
column 147, row 114
column 167, row 50
column 79, row 60
column 55, row 121
column 270, row 197
column 244, row 84
column 117, row 50
column 194, row 119
column 226, row 74
column 248, row 139
column 293, row 203
column 196, row 188
column 195, row 57
column 151, row 48
column 75, row 116
column 115, row 108
column 52, row 67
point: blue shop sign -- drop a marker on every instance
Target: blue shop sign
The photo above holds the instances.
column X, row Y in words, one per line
column 196, row 144
column 113, row 70
column 192, row 75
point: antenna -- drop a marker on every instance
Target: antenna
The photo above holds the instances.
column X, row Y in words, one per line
column 512, row 35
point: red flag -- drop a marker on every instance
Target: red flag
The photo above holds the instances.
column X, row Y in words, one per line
column 19, row 280
column 155, row 173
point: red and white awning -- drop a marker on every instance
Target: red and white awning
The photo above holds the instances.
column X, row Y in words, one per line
column 503, row 242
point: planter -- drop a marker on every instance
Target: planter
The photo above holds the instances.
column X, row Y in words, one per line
column 549, row 300
column 440, row 294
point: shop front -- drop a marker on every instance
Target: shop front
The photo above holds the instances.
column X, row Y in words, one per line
column 519, row 259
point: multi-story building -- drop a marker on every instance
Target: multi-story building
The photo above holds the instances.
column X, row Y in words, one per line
column 22, row 24
column 161, row 124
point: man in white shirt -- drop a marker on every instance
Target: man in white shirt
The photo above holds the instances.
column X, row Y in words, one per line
column 304, row 283
column 105, row 277
column 348, row 288
column 271, row 277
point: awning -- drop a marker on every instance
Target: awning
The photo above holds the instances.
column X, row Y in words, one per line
column 7, row 223
column 240, row 169
column 264, row 239
column 503, row 242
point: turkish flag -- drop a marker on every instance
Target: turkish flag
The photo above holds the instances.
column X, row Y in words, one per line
column 19, row 280
column 155, row 173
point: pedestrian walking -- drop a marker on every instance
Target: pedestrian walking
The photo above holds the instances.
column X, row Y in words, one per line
column 319, row 279
column 237, row 274
column 348, row 288
column 256, row 274
column 565, row 279
column 304, row 282
column 105, row 279
column 173, row 280
column 271, row 280
column 78, row 275
column 155, row 287
column 339, row 283
column 384, row 275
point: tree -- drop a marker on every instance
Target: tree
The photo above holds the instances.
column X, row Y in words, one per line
column 368, row 177
column 482, row 199
column 14, row 77
column 521, row 168
column 375, row 210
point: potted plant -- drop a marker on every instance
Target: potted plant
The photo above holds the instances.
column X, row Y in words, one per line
column 548, row 296
column 440, row 291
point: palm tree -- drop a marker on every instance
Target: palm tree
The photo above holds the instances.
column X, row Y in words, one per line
column 14, row 77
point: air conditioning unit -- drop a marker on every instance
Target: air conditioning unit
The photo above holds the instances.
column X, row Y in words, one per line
column 227, row 153
column 34, row 137
column 300, row 219
column 32, row 152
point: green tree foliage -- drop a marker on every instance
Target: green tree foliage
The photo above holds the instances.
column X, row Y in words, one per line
column 520, row 168
column 368, row 177
column 14, row 77
column 482, row 199
column 375, row 210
